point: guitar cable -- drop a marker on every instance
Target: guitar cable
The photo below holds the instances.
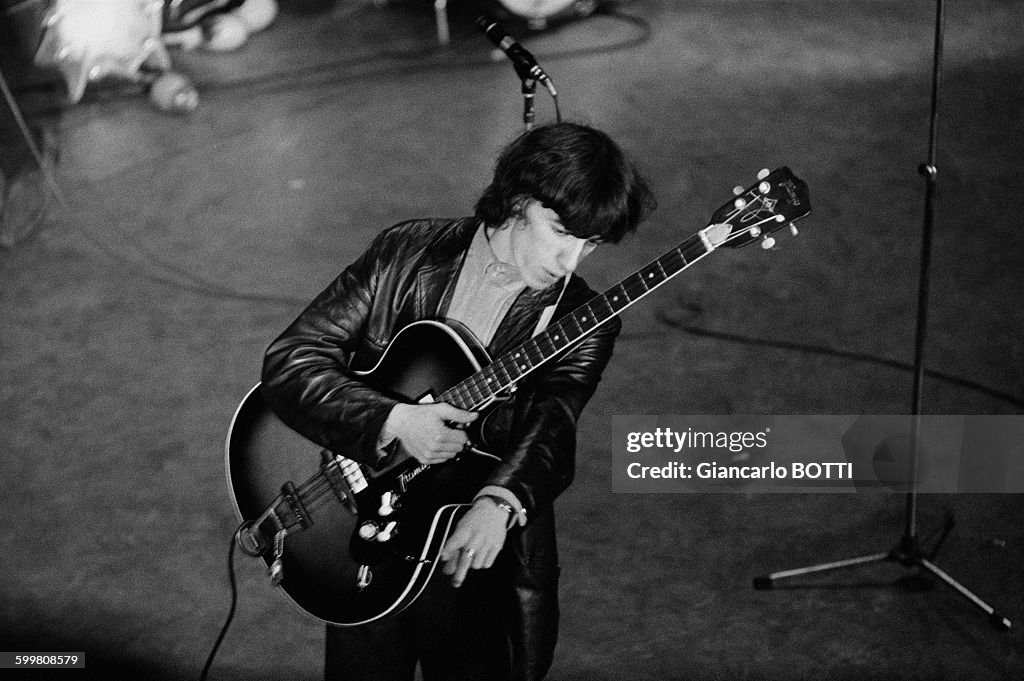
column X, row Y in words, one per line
column 231, row 611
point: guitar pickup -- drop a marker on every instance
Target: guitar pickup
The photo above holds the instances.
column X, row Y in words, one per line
column 332, row 472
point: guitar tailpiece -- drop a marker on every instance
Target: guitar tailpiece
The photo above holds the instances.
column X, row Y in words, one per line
column 250, row 540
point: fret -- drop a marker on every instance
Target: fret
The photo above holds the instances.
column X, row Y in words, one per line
column 585, row 317
column 508, row 367
column 533, row 352
column 490, row 380
column 467, row 392
column 504, row 371
column 481, row 395
column 634, row 286
column 476, row 389
column 604, row 302
column 693, row 248
column 559, row 334
column 546, row 343
column 485, row 384
column 652, row 275
column 456, row 396
column 675, row 261
column 568, row 322
column 521, row 361
column 617, row 297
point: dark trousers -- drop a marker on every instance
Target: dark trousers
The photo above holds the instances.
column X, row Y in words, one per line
column 455, row 635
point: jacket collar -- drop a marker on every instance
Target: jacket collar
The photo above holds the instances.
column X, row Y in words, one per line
column 439, row 273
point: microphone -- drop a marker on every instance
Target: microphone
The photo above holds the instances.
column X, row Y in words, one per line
column 526, row 66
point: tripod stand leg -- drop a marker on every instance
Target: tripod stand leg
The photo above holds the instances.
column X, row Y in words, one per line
column 997, row 619
column 768, row 581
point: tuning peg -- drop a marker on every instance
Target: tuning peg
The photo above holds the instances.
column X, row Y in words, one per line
column 737, row 190
column 764, row 187
column 767, row 243
column 793, row 230
column 763, row 173
column 740, row 203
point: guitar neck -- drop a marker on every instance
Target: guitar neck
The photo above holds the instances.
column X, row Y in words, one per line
column 482, row 388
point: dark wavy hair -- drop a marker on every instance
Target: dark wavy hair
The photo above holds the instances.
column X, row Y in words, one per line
column 574, row 170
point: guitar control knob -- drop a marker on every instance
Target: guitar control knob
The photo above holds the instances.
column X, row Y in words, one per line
column 368, row 530
column 387, row 504
column 387, row 532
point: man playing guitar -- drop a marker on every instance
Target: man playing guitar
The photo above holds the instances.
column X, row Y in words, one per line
column 558, row 191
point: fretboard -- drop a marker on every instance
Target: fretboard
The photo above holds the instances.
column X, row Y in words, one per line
column 480, row 389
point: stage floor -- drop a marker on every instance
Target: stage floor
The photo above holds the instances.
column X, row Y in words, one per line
column 134, row 319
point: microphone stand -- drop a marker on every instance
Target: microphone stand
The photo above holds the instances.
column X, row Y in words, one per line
column 529, row 90
column 909, row 552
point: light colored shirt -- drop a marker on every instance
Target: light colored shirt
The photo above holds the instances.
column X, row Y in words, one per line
column 485, row 290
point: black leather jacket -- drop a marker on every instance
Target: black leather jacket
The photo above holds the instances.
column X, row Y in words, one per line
column 408, row 274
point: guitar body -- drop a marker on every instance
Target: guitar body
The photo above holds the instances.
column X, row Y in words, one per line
column 329, row 569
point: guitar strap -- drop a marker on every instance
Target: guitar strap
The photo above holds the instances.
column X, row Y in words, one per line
column 549, row 311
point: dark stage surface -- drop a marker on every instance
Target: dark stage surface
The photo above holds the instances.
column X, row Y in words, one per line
column 134, row 320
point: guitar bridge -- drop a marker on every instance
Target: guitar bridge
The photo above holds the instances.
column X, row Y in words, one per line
column 298, row 509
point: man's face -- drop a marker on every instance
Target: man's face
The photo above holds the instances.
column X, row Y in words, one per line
column 542, row 249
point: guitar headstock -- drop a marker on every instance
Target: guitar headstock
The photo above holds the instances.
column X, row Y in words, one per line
column 778, row 199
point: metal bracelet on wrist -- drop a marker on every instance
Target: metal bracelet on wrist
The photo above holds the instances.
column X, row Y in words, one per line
column 505, row 506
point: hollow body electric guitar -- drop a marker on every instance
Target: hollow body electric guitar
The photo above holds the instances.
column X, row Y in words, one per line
column 352, row 544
